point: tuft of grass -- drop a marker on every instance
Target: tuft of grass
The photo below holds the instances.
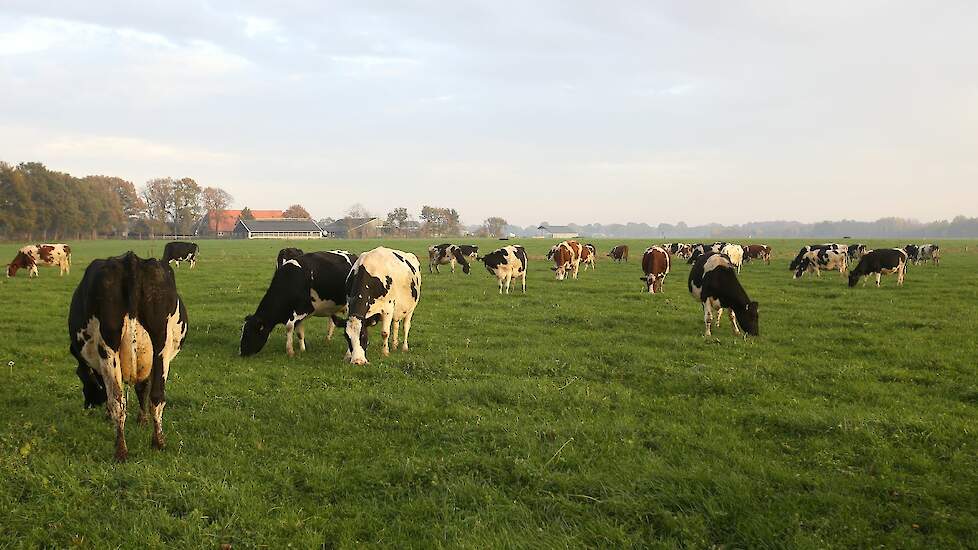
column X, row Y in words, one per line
column 584, row 413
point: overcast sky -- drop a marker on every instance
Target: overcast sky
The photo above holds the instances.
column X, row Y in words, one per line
column 564, row 111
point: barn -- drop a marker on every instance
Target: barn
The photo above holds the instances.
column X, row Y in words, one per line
column 557, row 232
column 284, row 228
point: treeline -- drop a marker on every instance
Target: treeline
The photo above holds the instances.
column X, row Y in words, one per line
column 38, row 203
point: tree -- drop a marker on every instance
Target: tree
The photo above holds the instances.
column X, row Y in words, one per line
column 17, row 212
column 494, row 226
column 440, row 221
column 246, row 214
column 296, row 211
column 397, row 217
column 215, row 201
column 158, row 195
column 187, row 206
column 358, row 211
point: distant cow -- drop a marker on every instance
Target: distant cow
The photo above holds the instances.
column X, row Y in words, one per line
column 287, row 254
column 930, row 252
column 736, row 254
column 913, row 253
column 882, row 261
column 507, row 263
column 713, row 281
column 313, row 284
column 384, row 287
column 655, row 264
column 619, row 253
column 757, row 252
column 442, row 254
column 566, row 256
column 806, row 249
column 126, row 323
column 701, row 249
column 856, row 251
column 179, row 251
column 587, row 256
column 677, row 249
column 824, row 259
column 45, row 255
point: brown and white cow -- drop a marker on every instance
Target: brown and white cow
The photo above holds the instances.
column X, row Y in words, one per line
column 619, row 253
column 566, row 256
column 46, row 254
column 655, row 263
column 757, row 252
column 587, row 256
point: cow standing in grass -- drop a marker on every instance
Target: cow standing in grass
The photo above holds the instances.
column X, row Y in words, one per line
column 713, row 281
column 179, row 251
column 619, row 253
column 587, row 256
column 806, row 249
column 450, row 254
column 757, row 252
column 44, row 255
column 824, row 259
column 881, row 262
column 655, row 263
column 126, row 324
column 566, row 256
column 384, row 287
column 312, row 285
column 856, row 251
column 507, row 263
column 918, row 254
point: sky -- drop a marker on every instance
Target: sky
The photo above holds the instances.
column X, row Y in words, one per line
column 565, row 111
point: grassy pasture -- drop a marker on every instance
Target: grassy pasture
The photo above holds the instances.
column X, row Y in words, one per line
column 583, row 413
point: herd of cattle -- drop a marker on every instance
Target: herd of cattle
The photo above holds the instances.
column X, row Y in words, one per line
column 127, row 322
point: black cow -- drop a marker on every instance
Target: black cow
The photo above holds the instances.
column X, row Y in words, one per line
column 313, row 284
column 713, row 281
column 881, row 262
column 179, row 251
column 287, row 254
column 126, row 324
column 445, row 253
column 913, row 253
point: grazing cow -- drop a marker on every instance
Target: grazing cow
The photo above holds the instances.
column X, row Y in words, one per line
column 619, row 253
column 287, row 254
column 823, row 259
column 735, row 252
column 566, row 256
column 698, row 250
column 384, row 286
column 507, row 263
column 126, row 324
column 758, row 252
column 913, row 253
column 682, row 250
column 313, row 284
column 587, row 256
column 179, row 251
column 930, row 252
column 441, row 254
column 856, row 251
column 46, row 255
column 655, row 263
column 882, row 261
column 806, row 249
column 713, row 281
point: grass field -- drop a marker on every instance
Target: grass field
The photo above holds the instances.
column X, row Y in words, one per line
column 583, row 413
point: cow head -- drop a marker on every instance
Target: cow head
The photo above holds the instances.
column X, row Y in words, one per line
column 21, row 260
column 748, row 319
column 254, row 335
column 804, row 265
column 93, row 387
column 649, row 281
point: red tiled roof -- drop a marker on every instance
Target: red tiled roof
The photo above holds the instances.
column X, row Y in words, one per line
column 230, row 217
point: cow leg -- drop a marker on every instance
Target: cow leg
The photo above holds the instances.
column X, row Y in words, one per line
column 142, row 392
column 878, row 277
column 452, row 263
column 300, row 327
column 289, row 327
column 707, row 317
column 385, row 331
column 407, row 329
column 397, row 328
column 509, row 281
column 733, row 322
column 524, row 282
column 501, row 284
column 116, row 402
column 157, row 394
column 900, row 274
column 330, row 328
column 193, row 262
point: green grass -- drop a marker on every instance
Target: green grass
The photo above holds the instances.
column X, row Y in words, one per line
column 584, row 413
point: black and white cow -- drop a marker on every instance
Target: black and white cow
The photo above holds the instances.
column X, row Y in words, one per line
column 856, row 251
column 713, row 281
column 384, row 287
column 881, row 262
column 698, row 250
column 682, row 250
column 179, row 251
column 930, row 252
column 806, row 249
column 313, row 284
column 824, row 259
column 445, row 253
column 287, row 254
column 913, row 253
column 126, row 324
column 507, row 263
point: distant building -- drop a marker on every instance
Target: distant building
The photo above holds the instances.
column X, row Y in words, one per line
column 282, row 228
column 557, row 232
column 222, row 224
column 353, row 228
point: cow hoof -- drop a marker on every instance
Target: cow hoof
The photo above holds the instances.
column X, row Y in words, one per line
column 359, row 361
column 159, row 443
column 121, row 455
column 142, row 419
column 404, row 347
column 385, row 353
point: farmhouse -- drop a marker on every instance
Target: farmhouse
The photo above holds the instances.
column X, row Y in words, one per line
column 283, row 228
column 221, row 223
column 557, row 232
column 353, row 228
